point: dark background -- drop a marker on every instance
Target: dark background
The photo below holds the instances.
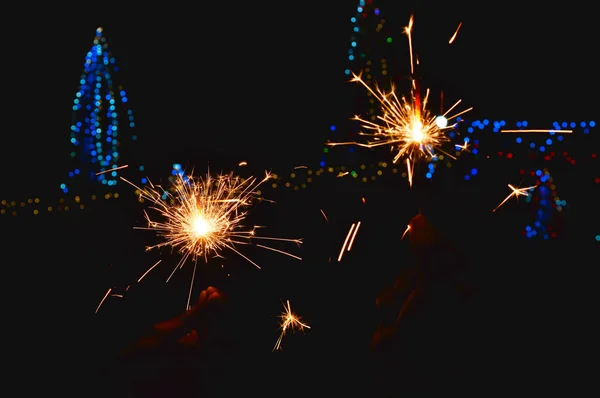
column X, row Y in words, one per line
column 262, row 83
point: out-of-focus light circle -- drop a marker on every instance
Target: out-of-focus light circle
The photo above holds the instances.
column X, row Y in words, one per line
column 441, row 122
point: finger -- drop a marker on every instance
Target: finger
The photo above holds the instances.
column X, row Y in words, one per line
column 210, row 290
column 405, row 282
column 408, row 307
column 214, row 296
column 406, row 279
column 434, row 253
column 382, row 337
column 202, row 298
column 386, row 297
column 422, row 234
column 190, row 338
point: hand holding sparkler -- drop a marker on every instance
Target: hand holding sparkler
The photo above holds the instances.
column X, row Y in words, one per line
column 188, row 329
column 438, row 267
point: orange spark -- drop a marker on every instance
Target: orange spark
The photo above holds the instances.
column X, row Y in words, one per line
column 463, row 147
column 455, row 34
column 290, row 321
column 103, row 299
column 405, row 231
column 408, row 30
column 346, row 242
column 537, row 131
column 114, row 169
column 516, row 192
column 324, row 215
column 149, row 269
column 353, row 236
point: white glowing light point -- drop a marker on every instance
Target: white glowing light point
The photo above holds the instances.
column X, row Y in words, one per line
column 417, row 131
column 441, row 122
column 200, row 226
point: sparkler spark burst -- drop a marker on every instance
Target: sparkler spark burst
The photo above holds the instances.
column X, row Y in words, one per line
column 405, row 124
column 516, row 192
column 202, row 217
column 289, row 321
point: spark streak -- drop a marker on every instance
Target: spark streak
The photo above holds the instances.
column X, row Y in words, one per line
column 113, row 169
column 538, row 131
column 405, row 231
column 408, row 32
column 455, row 34
column 353, row 236
column 516, row 192
column 103, row 299
column 148, row 271
column 324, row 215
column 346, row 242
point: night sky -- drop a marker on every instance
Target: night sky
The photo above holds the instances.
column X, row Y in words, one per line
column 224, row 83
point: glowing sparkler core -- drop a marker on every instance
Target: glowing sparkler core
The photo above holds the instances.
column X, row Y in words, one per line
column 417, row 132
column 201, row 227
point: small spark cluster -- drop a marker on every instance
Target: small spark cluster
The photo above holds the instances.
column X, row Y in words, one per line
column 289, row 321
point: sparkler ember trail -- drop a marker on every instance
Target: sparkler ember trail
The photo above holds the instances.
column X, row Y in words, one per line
column 201, row 218
column 289, row 321
column 405, row 124
column 516, row 192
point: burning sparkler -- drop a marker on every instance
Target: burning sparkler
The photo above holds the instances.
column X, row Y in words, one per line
column 406, row 125
column 516, row 192
column 289, row 321
column 463, row 147
column 201, row 218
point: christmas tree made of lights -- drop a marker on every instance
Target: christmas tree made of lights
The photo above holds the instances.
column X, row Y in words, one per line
column 102, row 120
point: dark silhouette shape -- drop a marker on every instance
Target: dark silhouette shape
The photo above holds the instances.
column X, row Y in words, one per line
column 425, row 336
column 183, row 332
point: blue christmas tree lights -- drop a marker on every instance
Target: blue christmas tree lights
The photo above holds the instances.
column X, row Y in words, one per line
column 100, row 113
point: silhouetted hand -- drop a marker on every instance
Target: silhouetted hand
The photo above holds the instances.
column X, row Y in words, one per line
column 189, row 329
column 436, row 276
